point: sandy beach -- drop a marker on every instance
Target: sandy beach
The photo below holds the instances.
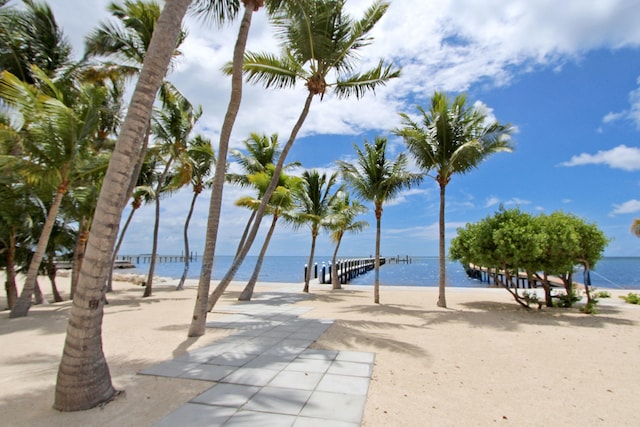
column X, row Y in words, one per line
column 482, row 361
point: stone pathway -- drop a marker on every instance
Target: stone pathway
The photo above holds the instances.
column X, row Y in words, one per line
column 266, row 375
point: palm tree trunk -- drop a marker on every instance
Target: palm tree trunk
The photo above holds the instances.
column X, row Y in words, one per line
column 335, row 280
column 199, row 317
column 247, row 292
column 51, row 273
column 117, row 249
column 83, row 379
column 442, row 301
column 78, row 254
column 245, row 232
column 376, row 283
column 307, row 279
column 10, row 285
column 21, row 308
column 186, row 242
column 38, row 296
column 215, row 295
column 156, row 228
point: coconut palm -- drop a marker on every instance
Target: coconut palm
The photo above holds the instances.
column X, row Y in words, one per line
column 320, row 41
column 342, row 220
column 83, row 378
column 452, row 138
column 261, row 152
column 172, row 127
column 375, row 178
column 314, row 199
column 55, row 142
column 281, row 203
column 199, row 317
column 635, row 227
column 195, row 170
column 31, row 36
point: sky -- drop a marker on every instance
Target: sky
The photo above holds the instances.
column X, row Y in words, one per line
column 565, row 75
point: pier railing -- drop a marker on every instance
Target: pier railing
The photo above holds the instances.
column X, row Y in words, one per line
column 345, row 269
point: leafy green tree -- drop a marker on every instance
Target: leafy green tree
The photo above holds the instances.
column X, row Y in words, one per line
column 320, row 41
column 375, row 178
column 314, row 199
column 342, row 219
column 451, row 138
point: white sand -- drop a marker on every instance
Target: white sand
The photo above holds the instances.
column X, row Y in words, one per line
column 483, row 361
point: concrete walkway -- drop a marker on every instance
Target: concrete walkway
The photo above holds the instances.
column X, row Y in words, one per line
column 266, row 375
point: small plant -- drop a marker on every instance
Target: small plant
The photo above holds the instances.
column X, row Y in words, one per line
column 631, row 298
column 590, row 307
column 602, row 294
column 567, row 300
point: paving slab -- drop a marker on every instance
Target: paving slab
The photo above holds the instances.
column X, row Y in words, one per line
column 265, row 374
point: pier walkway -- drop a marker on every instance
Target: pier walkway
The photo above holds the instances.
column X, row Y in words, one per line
column 346, row 269
column 485, row 274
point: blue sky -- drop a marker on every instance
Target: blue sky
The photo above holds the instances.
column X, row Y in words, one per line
column 568, row 81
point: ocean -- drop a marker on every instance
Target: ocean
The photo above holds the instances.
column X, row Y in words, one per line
column 609, row 273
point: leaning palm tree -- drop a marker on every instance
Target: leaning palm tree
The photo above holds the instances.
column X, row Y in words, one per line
column 342, row 220
column 172, row 126
column 83, row 378
column 281, row 204
column 55, row 141
column 198, row 320
column 194, row 170
column 314, row 199
column 262, row 151
column 319, row 40
column 452, row 138
column 375, row 178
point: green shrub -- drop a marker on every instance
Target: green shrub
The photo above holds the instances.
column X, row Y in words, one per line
column 631, row 298
column 602, row 294
column 567, row 300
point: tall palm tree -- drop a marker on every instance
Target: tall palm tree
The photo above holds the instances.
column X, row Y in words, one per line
column 452, row 138
column 83, row 378
column 281, row 204
column 314, row 199
column 375, row 178
column 195, row 170
column 342, row 220
column 55, row 140
column 198, row 320
column 172, row 127
column 319, row 41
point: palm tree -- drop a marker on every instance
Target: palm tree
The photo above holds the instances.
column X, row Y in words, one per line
column 31, row 36
column 372, row 177
column 342, row 220
column 172, row 126
column 83, row 379
column 281, row 203
column 262, row 151
column 319, row 40
column 314, row 199
column 198, row 320
column 452, row 138
column 635, row 227
column 55, row 140
column 195, row 170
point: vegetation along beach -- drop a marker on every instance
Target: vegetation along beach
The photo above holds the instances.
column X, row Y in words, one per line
column 319, row 212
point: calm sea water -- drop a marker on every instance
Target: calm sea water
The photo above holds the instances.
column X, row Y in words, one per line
column 610, row 272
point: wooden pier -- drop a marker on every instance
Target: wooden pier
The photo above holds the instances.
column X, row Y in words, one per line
column 146, row 258
column 346, row 269
column 523, row 281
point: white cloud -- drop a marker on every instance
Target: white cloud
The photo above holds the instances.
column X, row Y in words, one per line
column 620, row 157
column 630, row 206
column 492, row 201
